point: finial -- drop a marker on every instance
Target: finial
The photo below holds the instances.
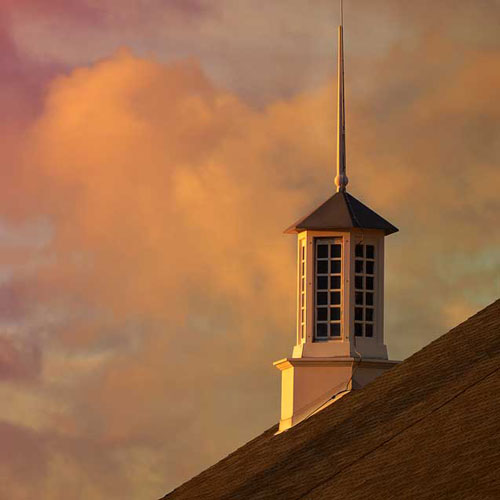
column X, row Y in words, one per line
column 341, row 179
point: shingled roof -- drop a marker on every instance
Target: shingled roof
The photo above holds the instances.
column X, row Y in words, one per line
column 429, row 428
column 342, row 211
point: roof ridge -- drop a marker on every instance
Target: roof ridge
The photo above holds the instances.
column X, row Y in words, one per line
column 348, row 197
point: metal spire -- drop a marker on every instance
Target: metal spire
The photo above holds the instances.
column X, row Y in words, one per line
column 341, row 179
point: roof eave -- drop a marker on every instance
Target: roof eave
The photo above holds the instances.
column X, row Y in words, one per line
column 296, row 229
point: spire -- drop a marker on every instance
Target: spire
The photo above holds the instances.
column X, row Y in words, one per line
column 341, row 179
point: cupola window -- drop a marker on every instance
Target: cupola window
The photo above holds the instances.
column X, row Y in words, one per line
column 328, row 296
column 302, row 290
column 364, row 284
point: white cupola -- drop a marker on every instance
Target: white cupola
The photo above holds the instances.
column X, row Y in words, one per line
column 340, row 295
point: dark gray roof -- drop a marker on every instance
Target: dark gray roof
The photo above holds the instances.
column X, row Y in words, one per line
column 342, row 211
column 426, row 429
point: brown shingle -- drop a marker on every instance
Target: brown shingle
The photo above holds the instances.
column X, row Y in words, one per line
column 426, row 429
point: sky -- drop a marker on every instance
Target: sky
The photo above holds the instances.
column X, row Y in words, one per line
column 151, row 154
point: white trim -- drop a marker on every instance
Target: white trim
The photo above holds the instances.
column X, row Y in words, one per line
column 378, row 304
column 329, row 241
column 301, row 319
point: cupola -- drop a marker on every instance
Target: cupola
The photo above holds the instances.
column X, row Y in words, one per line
column 340, row 294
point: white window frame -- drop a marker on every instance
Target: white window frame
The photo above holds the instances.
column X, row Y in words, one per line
column 364, row 290
column 301, row 290
column 329, row 240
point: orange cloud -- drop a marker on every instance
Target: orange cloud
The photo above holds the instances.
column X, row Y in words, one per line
column 165, row 287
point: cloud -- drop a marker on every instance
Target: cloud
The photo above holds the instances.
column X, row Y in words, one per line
column 292, row 44
column 18, row 362
column 143, row 310
column 22, row 456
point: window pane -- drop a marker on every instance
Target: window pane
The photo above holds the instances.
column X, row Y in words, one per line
column 322, row 298
column 369, row 283
column 335, row 282
column 370, row 267
column 336, row 267
column 322, row 282
column 358, row 282
column 335, row 298
column 336, row 251
column 322, row 251
column 358, row 314
column 334, row 329
column 359, row 298
column 369, row 315
column 322, row 330
column 301, row 300
column 359, row 266
column 303, row 284
column 368, row 330
column 322, row 267
column 370, row 252
column 369, row 299
column 334, row 313
column 303, row 252
column 359, row 250
column 303, row 269
column 322, row 314
column 358, row 329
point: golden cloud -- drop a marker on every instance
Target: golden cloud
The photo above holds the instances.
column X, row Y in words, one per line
column 167, row 287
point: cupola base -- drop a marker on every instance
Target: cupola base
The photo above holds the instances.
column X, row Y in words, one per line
column 309, row 384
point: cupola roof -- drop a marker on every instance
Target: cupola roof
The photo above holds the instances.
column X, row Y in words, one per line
column 342, row 211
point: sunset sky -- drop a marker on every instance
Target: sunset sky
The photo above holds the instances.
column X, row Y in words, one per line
column 151, row 154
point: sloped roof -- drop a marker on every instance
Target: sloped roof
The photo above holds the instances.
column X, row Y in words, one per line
column 342, row 211
column 429, row 428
